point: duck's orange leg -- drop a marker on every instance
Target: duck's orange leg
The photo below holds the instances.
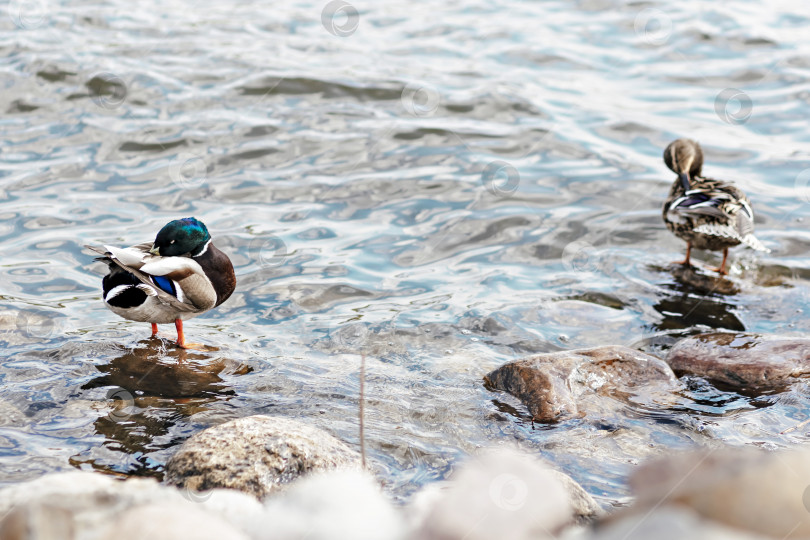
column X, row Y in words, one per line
column 154, row 329
column 686, row 262
column 722, row 268
column 181, row 339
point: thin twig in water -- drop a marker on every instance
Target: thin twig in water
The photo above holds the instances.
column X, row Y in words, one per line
column 794, row 428
column 362, row 410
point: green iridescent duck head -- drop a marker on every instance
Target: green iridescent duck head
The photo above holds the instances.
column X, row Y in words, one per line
column 181, row 237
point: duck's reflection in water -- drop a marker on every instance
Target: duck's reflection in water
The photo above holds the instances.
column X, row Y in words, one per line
column 151, row 389
column 697, row 299
column 153, row 369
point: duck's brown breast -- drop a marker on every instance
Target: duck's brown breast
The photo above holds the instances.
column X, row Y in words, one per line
column 218, row 268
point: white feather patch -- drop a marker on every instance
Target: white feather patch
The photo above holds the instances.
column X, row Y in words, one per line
column 180, row 294
column 166, row 265
column 128, row 256
column 723, row 231
column 150, row 291
column 115, row 291
column 204, row 249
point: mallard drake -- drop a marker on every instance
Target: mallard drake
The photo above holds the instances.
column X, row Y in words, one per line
column 175, row 278
column 707, row 213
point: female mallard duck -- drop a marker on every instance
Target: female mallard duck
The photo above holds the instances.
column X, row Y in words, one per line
column 175, row 278
column 707, row 213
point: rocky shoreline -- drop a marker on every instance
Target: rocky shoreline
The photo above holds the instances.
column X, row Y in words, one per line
column 498, row 493
column 273, row 477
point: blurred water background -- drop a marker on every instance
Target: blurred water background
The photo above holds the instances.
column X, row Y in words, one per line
column 442, row 185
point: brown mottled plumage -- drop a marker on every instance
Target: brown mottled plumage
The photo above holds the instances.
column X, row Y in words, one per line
column 707, row 213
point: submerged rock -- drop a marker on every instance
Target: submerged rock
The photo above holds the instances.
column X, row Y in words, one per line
column 583, row 507
column 257, row 455
column 571, row 383
column 762, row 493
column 743, row 361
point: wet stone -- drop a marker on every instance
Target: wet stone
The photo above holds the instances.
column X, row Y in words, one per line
column 257, row 455
column 751, row 491
column 742, row 361
column 564, row 384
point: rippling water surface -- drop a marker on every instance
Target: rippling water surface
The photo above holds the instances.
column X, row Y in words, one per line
column 444, row 186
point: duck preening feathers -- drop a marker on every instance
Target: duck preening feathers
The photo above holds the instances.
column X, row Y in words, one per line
column 707, row 213
column 175, row 278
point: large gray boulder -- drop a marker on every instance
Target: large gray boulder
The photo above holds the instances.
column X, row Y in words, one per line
column 554, row 386
column 257, row 455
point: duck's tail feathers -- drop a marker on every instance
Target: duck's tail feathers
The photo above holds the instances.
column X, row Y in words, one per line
column 725, row 231
column 753, row 242
column 101, row 251
column 97, row 249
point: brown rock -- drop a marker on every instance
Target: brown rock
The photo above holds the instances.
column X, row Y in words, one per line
column 751, row 490
column 743, row 361
column 37, row 521
column 561, row 384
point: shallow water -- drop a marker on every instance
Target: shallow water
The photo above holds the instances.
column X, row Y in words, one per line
column 441, row 186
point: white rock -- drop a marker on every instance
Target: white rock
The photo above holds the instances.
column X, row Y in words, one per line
column 499, row 494
column 333, row 505
column 584, row 507
column 669, row 523
column 91, row 501
column 170, row 522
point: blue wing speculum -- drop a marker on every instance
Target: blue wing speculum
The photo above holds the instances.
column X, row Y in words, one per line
column 165, row 284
